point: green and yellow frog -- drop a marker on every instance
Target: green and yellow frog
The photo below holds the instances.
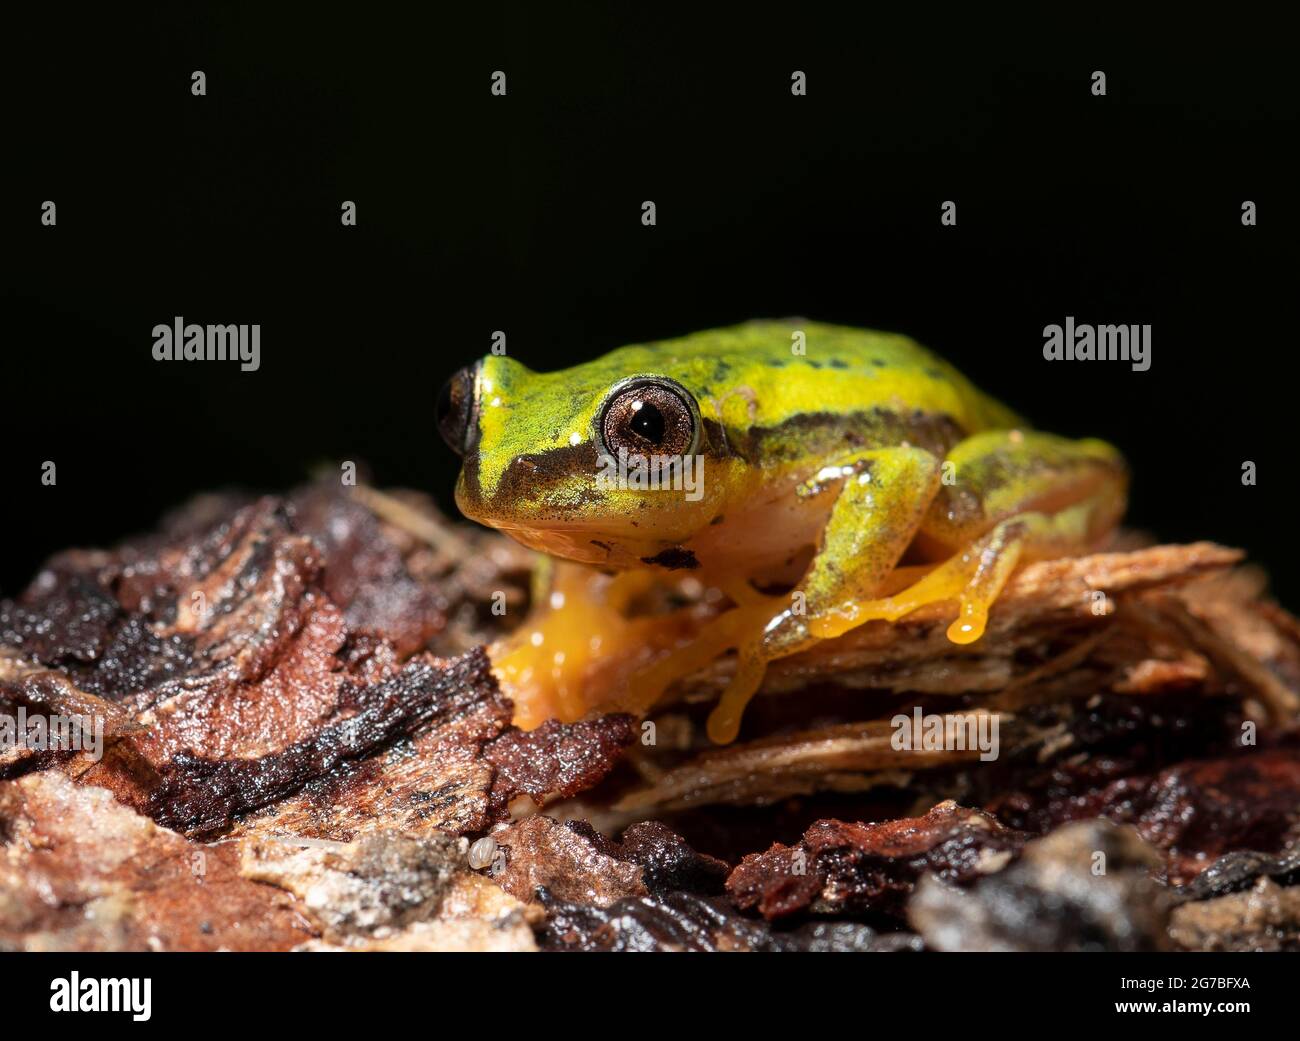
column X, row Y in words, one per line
column 787, row 466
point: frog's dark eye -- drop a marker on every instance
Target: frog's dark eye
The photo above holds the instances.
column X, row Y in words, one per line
column 454, row 411
column 650, row 415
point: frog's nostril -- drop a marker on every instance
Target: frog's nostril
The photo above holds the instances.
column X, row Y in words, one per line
column 454, row 411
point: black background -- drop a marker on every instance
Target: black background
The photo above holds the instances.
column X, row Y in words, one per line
column 363, row 995
column 522, row 213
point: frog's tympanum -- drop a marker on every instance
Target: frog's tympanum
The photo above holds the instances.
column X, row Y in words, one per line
column 783, row 469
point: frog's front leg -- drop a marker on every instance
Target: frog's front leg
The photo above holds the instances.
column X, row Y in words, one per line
column 881, row 498
column 1012, row 497
column 1015, row 497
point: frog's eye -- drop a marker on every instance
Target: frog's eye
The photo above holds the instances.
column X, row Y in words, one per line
column 650, row 415
column 455, row 410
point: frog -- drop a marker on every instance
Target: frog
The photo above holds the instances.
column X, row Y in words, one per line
column 830, row 460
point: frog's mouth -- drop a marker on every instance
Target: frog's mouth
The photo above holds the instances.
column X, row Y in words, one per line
column 583, row 544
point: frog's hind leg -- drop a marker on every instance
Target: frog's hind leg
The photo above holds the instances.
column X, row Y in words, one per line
column 881, row 497
column 1001, row 498
column 1013, row 498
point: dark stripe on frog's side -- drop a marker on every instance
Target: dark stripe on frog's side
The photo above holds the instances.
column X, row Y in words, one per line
column 816, row 433
column 819, row 433
column 527, row 474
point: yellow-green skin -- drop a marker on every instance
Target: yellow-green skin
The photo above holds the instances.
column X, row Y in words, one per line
column 828, row 453
column 778, row 399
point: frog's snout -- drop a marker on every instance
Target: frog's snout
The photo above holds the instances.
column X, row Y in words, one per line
column 457, row 409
